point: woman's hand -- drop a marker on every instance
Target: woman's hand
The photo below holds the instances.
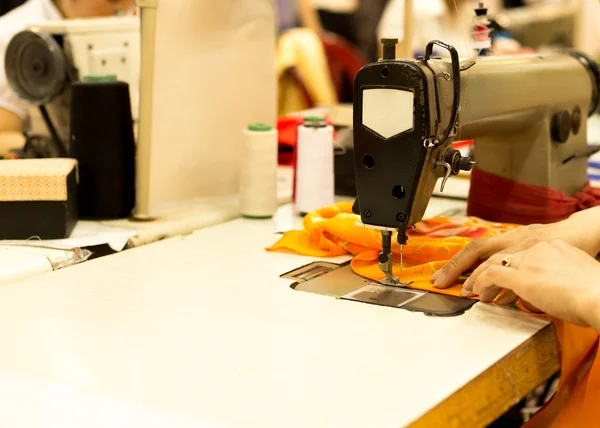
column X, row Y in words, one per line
column 554, row 276
column 581, row 230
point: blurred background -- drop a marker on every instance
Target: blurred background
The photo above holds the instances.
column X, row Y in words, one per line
column 321, row 44
column 336, row 37
column 7, row 5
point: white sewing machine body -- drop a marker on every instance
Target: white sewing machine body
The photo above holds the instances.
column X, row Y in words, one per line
column 96, row 45
column 101, row 45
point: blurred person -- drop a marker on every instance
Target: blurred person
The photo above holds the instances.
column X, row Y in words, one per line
column 335, row 16
column 446, row 20
column 353, row 20
column 13, row 112
column 367, row 18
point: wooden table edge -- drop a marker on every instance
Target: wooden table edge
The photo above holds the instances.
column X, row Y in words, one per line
column 493, row 392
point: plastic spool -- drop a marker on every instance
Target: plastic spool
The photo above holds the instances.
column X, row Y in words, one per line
column 481, row 38
column 314, row 165
column 258, row 179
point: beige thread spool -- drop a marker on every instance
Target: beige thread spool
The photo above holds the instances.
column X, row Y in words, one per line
column 258, row 178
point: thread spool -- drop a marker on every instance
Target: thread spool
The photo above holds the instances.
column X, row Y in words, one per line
column 480, row 35
column 314, row 181
column 258, row 178
column 102, row 141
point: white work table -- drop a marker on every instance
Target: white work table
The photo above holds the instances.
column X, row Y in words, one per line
column 173, row 220
column 200, row 331
column 184, row 217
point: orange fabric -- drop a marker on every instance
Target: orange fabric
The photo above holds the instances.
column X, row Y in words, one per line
column 576, row 402
column 333, row 231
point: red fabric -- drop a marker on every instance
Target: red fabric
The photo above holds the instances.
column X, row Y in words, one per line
column 500, row 199
column 287, row 128
column 287, row 131
column 462, row 144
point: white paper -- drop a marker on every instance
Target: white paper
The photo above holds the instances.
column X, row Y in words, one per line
column 85, row 234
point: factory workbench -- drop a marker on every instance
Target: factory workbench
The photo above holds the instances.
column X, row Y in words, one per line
column 183, row 218
column 201, row 331
column 108, row 236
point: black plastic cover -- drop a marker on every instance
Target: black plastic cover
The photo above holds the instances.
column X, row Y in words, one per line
column 387, row 178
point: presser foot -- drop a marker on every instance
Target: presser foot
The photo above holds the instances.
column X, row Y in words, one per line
column 385, row 261
column 395, row 282
column 385, row 264
column 390, row 280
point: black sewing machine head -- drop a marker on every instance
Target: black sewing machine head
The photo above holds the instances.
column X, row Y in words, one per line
column 398, row 155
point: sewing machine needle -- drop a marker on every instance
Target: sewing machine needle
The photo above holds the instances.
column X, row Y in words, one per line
column 401, row 262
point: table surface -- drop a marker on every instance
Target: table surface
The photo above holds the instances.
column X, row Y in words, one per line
column 201, row 331
column 17, row 263
column 20, row 260
column 184, row 218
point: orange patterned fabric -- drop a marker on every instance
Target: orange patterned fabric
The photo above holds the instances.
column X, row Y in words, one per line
column 333, row 231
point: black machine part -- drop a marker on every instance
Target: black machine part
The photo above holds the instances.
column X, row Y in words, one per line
column 376, row 158
column 36, row 67
column 38, row 70
column 594, row 72
column 390, row 196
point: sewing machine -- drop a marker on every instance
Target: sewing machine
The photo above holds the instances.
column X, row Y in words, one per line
column 44, row 59
column 527, row 113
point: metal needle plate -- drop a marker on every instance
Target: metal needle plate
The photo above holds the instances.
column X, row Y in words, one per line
column 339, row 281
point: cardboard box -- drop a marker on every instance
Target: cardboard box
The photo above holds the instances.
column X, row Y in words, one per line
column 38, row 198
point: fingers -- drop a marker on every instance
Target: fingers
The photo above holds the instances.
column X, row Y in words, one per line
column 507, row 298
column 486, row 289
column 492, row 261
column 530, row 307
column 495, row 278
column 488, row 292
column 475, row 251
column 457, row 265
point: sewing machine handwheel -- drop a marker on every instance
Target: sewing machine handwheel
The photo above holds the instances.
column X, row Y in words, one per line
column 594, row 72
column 36, row 68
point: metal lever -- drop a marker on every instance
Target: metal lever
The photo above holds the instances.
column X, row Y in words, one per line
column 584, row 154
column 448, row 173
column 454, row 163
